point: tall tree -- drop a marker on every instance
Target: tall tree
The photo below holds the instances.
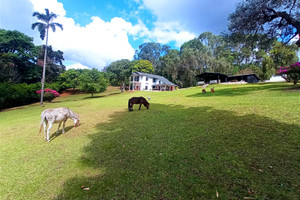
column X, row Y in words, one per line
column 119, row 72
column 151, row 51
column 69, row 79
column 17, row 58
column 92, row 81
column 142, row 66
column 273, row 17
column 43, row 27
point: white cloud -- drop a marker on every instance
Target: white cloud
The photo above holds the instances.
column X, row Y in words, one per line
column 52, row 5
column 195, row 16
column 76, row 66
column 167, row 32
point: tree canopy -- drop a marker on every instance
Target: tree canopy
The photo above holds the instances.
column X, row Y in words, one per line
column 151, row 51
column 276, row 18
column 92, row 81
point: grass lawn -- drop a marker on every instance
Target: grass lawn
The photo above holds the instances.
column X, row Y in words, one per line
column 242, row 141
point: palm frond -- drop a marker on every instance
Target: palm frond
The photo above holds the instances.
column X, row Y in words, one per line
column 52, row 27
column 35, row 24
column 42, row 29
column 59, row 25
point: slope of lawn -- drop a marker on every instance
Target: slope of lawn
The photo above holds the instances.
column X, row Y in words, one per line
column 242, row 141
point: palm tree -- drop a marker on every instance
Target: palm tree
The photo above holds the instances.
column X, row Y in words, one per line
column 43, row 28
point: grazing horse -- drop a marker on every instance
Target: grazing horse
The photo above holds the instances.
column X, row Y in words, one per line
column 57, row 115
column 203, row 91
column 137, row 100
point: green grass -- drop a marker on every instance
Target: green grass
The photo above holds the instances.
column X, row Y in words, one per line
column 240, row 141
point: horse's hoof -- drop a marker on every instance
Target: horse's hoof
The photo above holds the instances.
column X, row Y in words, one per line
column 48, row 141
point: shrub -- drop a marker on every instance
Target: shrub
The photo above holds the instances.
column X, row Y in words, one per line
column 12, row 95
column 49, row 94
column 290, row 73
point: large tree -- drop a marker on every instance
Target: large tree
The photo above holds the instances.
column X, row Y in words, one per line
column 277, row 18
column 151, row 51
column 92, row 81
column 17, row 58
column 119, row 72
column 142, row 66
column 43, row 27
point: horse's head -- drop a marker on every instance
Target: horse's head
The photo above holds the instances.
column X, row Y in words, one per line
column 147, row 105
column 77, row 120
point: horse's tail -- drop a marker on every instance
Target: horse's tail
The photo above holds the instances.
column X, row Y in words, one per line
column 41, row 123
column 129, row 105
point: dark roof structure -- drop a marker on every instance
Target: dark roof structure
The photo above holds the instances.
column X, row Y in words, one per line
column 163, row 80
column 208, row 76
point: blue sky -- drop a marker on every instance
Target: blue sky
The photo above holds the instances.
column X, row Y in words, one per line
column 97, row 33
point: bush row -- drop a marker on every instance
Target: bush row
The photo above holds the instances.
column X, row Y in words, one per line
column 12, row 95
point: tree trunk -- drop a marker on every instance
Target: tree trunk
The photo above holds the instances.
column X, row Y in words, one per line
column 44, row 67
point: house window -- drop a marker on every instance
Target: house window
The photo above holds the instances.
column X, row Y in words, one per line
column 146, row 88
column 146, row 78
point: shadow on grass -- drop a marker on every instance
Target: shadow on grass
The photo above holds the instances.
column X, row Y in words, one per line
column 237, row 90
column 102, row 95
column 55, row 134
column 172, row 152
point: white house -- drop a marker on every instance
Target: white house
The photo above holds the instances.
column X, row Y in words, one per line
column 150, row 82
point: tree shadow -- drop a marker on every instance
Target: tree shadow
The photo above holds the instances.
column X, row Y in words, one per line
column 102, row 95
column 235, row 90
column 173, row 152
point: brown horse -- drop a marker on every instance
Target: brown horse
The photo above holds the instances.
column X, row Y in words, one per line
column 137, row 100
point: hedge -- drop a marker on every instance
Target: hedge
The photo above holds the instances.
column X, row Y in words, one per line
column 12, row 95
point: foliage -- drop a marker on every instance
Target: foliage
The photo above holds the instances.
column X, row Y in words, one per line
column 283, row 54
column 69, row 79
column 119, row 72
column 151, row 51
column 49, row 94
column 92, row 81
column 46, row 22
column 275, row 18
column 17, row 94
column 290, row 73
column 17, row 58
column 142, row 66
column 54, row 62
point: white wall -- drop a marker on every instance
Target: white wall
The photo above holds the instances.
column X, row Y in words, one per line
column 145, row 83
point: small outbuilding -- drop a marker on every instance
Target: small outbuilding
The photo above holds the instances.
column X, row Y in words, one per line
column 209, row 77
column 249, row 78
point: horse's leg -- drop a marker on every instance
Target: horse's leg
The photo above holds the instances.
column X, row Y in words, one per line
column 58, row 127
column 63, row 129
column 48, row 131
column 140, row 106
column 45, row 128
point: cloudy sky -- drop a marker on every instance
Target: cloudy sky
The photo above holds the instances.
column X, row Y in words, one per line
column 98, row 32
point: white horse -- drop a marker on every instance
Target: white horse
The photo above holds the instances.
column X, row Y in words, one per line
column 57, row 115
